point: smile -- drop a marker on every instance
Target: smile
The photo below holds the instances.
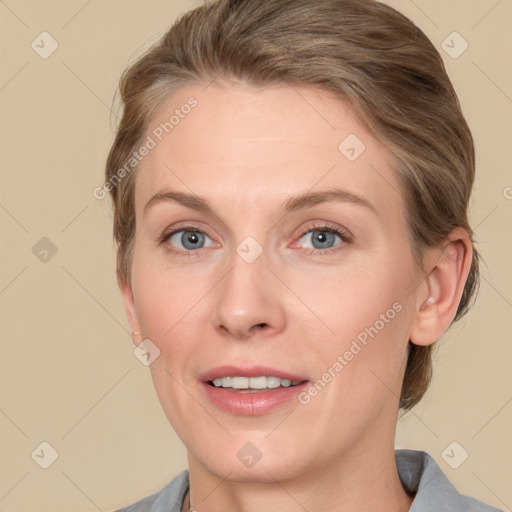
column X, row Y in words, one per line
column 252, row 383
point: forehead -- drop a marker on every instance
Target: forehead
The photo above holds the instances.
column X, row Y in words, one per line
column 250, row 145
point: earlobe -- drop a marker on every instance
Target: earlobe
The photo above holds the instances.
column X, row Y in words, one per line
column 445, row 285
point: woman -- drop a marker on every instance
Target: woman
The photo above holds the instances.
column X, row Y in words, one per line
column 290, row 182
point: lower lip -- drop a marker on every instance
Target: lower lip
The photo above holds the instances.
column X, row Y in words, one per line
column 252, row 403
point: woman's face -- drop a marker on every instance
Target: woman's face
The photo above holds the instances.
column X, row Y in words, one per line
column 271, row 239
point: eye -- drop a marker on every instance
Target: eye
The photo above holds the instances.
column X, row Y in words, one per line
column 323, row 239
column 188, row 240
column 318, row 239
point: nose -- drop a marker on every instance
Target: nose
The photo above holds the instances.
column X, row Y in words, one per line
column 249, row 301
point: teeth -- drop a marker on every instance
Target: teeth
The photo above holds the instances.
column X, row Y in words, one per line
column 253, row 382
column 271, row 382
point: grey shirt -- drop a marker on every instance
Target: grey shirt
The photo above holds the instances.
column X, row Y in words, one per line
column 418, row 471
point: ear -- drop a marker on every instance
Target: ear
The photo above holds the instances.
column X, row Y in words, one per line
column 440, row 298
column 129, row 304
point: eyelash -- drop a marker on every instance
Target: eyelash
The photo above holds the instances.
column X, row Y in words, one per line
column 345, row 237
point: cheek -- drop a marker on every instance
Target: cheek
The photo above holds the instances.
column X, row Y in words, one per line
column 352, row 299
column 168, row 305
column 363, row 345
column 166, row 299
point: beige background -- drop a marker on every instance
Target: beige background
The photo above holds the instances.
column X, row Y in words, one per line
column 69, row 376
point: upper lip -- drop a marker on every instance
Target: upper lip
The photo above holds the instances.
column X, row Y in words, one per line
column 252, row 371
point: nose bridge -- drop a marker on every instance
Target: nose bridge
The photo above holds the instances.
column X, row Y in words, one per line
column 249, row 297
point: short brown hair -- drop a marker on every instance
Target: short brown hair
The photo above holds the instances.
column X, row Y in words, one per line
column 361, row 50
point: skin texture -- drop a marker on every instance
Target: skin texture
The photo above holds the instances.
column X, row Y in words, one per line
column 246, row 151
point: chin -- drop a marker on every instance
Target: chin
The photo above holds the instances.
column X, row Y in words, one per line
column 252, row 459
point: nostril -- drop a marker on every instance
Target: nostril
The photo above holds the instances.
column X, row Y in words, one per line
column 262, row 325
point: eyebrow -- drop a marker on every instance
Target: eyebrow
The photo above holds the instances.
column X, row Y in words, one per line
column 292, row 204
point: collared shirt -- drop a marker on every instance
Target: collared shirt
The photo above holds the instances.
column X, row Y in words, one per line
column 418, row 471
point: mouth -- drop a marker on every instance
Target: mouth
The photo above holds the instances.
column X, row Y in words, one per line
column 251, row 391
